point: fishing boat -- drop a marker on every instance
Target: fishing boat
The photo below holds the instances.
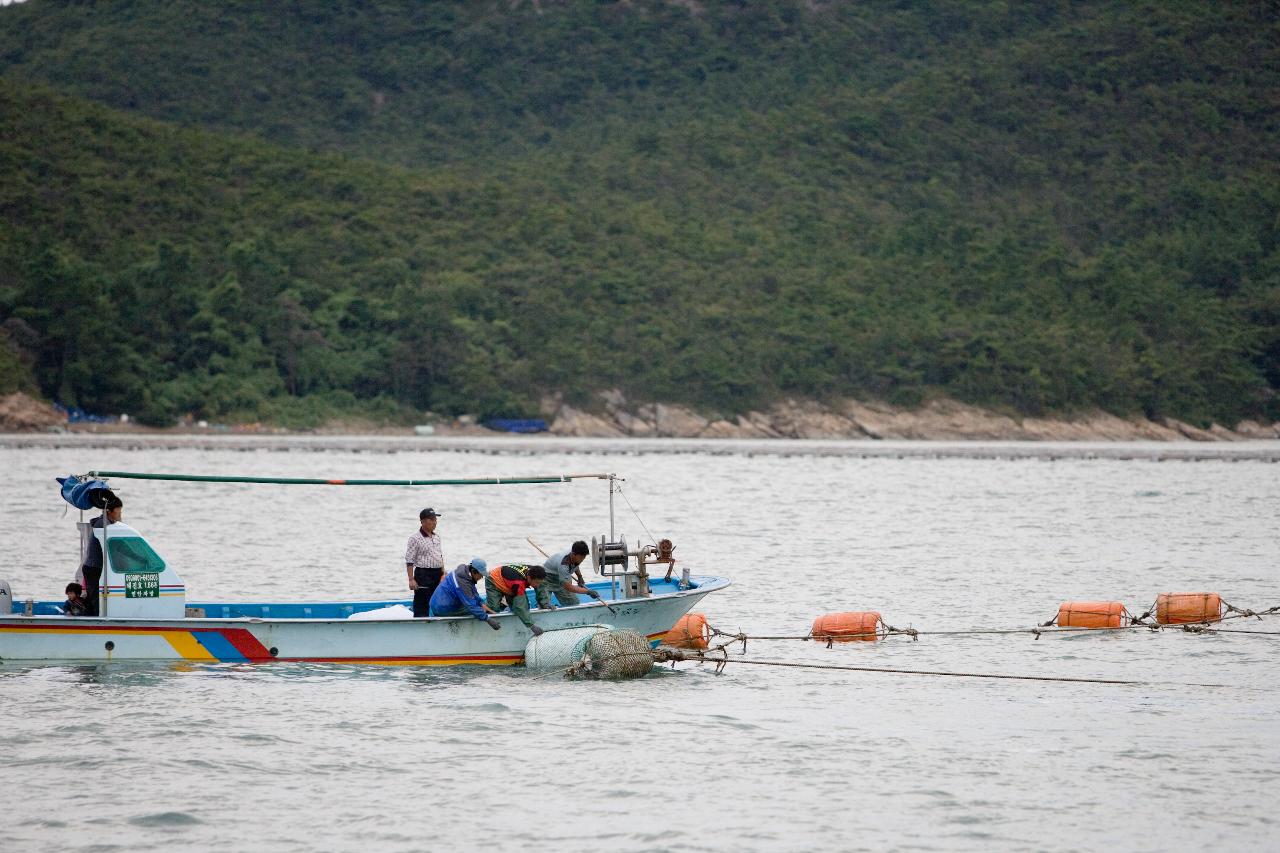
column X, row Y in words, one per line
column 145, row 614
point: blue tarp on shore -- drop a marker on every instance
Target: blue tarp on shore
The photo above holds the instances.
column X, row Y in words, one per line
column 516, row 425
column 77, row 415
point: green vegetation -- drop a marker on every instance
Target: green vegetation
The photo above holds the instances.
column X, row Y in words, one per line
column 287, row 212
column 15, row 373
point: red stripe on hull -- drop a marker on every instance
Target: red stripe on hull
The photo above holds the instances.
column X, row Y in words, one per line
column 512, row 659
column 245, row 643
column 115, row 629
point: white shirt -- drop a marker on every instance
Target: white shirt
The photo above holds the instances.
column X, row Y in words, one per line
column 424, row 552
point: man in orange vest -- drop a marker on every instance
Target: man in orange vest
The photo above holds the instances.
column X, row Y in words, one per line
column 505, row 586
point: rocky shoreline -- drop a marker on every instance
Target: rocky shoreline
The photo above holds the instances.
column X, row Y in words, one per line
column 938, row 420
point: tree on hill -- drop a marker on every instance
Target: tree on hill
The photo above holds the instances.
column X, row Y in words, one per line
column 282, row 212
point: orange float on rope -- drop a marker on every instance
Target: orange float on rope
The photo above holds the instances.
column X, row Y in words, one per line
column 846, row 627
column 1181, row 608
column 691, row 632
column 1093, row 614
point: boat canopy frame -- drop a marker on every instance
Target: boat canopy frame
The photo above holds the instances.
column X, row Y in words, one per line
column 613, row 479
column 316, row 481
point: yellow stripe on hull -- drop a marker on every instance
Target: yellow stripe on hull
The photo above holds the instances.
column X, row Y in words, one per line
column 185, row 644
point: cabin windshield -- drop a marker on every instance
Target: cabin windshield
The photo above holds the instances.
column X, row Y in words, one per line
column 133, row 554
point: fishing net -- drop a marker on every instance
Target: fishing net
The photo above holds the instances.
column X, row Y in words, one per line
column 561, row 648
column 617, row 653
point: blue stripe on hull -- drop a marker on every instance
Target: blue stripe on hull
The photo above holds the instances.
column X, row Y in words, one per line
column 218, row 646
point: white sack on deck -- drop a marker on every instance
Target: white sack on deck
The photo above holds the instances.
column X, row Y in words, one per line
column 395, row 611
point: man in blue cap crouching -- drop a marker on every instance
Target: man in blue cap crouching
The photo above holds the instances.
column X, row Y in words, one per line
column 457, row 596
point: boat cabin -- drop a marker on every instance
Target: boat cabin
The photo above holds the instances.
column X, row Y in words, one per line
column 136, row 581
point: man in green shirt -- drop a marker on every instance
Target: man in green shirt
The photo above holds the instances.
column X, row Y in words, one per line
column 562, row 569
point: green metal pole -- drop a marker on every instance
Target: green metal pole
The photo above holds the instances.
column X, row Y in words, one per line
column 309, row 481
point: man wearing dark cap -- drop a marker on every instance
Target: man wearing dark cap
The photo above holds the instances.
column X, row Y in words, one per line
column 424, row 562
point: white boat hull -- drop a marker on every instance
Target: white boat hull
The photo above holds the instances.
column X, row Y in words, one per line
column 423, row 642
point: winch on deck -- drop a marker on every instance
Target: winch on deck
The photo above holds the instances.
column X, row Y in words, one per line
column 613, row 560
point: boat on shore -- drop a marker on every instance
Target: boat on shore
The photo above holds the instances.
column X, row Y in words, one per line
column 146, row 616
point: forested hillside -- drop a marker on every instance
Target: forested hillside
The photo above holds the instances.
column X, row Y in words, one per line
column 284, row 210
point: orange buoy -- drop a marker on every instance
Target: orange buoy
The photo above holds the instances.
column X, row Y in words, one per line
column 1180, row 608
column 1093, row 614
column 691, row 632
column 847, row 626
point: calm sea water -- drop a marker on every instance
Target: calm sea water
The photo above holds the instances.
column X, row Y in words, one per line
column 322, row 757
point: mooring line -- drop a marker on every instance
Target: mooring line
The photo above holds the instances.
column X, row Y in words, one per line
column 906, row 632
column 1047, row 628
column 674, row 655
column 1209, row 629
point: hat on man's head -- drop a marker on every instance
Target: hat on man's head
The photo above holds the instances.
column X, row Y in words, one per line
column 428, row 513
column 478, row 565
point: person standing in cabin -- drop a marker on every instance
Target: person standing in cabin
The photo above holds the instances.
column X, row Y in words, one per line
column 112, row 512
column 505, row 586
column 562, row 569
column 424, row 561
column 457, row 594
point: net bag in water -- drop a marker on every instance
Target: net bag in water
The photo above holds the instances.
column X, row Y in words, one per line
column 560, row 649
column 593, row 651
column 617, row 653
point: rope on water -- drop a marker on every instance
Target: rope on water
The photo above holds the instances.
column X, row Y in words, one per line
column 1244, row 613
column 720, row 658
column 1200, row 628
column 625, row 654
column 1139, row 622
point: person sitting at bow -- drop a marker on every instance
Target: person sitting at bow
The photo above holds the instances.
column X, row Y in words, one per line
column 74, row 605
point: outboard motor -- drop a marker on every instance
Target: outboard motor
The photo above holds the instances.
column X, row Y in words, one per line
column 6, row 598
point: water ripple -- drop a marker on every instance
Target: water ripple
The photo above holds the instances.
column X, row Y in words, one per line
column 755, row 758
column 165, row 819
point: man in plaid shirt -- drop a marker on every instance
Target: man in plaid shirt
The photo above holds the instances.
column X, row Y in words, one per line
column 424, row 562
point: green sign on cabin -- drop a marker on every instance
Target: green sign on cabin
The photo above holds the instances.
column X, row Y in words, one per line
column 142, row 586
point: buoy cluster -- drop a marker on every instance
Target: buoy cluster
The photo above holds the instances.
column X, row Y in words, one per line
column 601, row 651
column 1169, row 608
column 693, row 632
